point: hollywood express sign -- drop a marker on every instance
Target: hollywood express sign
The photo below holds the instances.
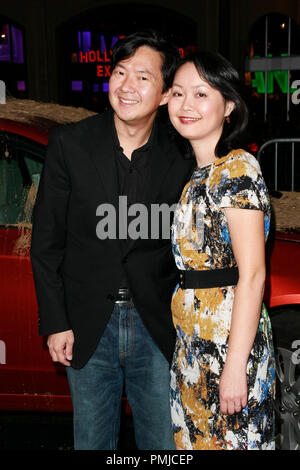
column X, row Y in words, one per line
column 102, row 60
column 97, row 57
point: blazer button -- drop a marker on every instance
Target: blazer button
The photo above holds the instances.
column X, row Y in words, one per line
column 110, row 296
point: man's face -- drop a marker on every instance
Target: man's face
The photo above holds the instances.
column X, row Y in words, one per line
column 135, row 87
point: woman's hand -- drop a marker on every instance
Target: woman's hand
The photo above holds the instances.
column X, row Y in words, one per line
column 233, row 390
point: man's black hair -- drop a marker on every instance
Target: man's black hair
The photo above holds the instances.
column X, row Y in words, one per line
column 126, row 47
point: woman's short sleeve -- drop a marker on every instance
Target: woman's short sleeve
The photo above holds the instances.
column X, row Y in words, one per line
column 238, row 183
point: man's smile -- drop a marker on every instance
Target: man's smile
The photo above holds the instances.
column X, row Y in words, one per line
column 126, row 101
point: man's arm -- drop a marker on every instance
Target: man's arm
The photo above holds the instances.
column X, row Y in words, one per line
column 48, row 244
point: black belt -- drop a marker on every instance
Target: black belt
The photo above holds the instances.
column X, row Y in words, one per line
column 209, row 278
column 123, row 295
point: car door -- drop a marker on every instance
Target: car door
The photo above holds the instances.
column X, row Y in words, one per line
column 28, row 378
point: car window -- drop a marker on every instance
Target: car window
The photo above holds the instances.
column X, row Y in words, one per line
column 21, row 162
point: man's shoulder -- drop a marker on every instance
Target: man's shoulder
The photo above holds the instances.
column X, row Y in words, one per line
column 89, row 125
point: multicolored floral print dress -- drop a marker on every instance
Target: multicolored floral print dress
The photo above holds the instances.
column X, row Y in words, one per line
column 201, row 241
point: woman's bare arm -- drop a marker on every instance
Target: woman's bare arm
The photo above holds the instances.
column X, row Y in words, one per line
column 246, row 227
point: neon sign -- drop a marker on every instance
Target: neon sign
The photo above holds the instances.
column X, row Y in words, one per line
column 91, row 57
column 281, row 77
column 102, row 57
column 94, row 56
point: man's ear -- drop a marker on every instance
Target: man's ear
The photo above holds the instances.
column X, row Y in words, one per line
column 165, row 98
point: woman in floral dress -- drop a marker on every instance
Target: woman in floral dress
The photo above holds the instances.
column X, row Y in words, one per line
column 223, row 374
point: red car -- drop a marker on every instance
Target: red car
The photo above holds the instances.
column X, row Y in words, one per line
column 28, row 378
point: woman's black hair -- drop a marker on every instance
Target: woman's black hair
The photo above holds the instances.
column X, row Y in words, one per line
column 170, row 55
column 219, row 73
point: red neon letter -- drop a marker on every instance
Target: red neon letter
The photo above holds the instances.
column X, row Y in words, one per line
column 99, row 58
column 92, row 56
column 99, row 70
column 83, row 57
column 106, row 59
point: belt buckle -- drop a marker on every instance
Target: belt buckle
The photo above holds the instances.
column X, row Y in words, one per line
column 122, row 301
column 123, row 292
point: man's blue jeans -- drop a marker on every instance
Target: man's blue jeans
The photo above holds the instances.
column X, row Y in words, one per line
column 125, row 353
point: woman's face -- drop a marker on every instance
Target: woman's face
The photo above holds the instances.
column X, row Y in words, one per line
column 196, row 109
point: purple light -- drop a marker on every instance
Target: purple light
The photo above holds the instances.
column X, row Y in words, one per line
column 102, row 44
column 86, row 41
column 17, row 45
column 11, row 46
column 114, row 40
column 96, row 88
column 77, row 85
column 4, row 44
column 21, row 86
column 105, row 87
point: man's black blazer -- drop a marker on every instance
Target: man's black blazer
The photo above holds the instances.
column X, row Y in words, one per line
column 76, row 274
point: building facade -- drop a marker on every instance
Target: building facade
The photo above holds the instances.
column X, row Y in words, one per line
column 60, row 51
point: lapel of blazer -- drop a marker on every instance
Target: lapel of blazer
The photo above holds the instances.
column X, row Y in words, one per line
column 101, row 152
column 161, row 161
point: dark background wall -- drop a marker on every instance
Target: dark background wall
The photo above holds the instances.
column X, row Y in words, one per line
column 221, row 25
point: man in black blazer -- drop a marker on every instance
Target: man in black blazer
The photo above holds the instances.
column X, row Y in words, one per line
column 101, row 254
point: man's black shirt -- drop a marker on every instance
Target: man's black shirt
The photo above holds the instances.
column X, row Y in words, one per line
column 132, row 176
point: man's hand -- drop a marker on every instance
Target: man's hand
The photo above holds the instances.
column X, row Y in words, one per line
column 61, row 347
